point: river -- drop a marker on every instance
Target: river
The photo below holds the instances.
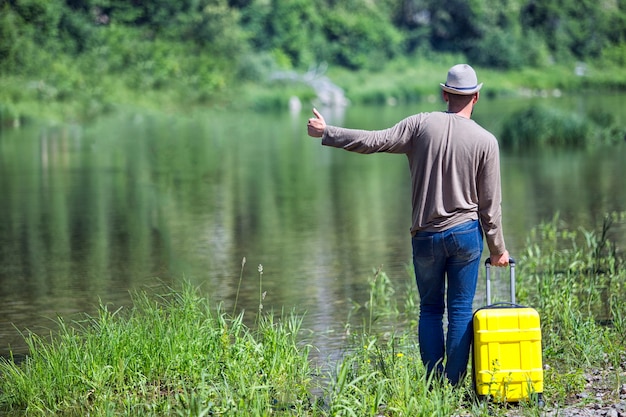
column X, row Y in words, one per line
column 91, row 213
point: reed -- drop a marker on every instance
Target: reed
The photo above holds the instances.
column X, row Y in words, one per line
column 540, row 126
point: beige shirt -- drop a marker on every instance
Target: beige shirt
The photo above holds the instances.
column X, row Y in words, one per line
column 454, row 164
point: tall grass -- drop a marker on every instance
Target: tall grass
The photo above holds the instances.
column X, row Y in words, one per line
column 176, row 354
column 169, row 354
column 384, row 379
column 575, row 279
column 540, row 126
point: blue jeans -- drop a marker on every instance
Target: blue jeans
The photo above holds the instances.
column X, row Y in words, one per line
column 454, row 253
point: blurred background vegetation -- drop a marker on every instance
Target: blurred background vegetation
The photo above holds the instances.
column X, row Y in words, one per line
column 91, row 55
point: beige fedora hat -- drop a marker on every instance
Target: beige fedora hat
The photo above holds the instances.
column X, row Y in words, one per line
column 461, row 80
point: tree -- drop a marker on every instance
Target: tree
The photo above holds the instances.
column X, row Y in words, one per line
column 454, row 25
column 579, row 29
column 290, row 26
column 366, row 39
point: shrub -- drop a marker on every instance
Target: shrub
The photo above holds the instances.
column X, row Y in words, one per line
column 539, row 126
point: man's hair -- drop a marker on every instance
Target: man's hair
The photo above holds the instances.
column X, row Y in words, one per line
column 459, row 100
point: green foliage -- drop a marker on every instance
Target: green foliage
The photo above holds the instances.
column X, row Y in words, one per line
column 355, row 34
column 497, row 49
column 361, row 40
column 199, row 49
column 9, row 35
column 42, row 18
column 453, row 25
column 386, row 377
column 506, row 49
column 214, row 27
column 574, row 278
column 615, row 55
column 540, row 126
column 290, row 25
column 168, row 354
column 579, row 29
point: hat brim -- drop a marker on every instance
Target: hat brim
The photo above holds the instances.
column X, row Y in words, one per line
column 462, row 92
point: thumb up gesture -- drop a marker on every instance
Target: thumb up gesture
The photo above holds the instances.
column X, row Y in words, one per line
column 316, row 125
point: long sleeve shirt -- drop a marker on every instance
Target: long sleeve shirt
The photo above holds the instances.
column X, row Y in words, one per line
column 454, row 165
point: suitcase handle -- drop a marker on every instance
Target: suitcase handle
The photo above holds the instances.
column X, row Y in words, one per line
column 501, row 305
column 488, row 269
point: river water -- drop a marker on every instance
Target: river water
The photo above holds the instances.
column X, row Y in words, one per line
column 89, row 213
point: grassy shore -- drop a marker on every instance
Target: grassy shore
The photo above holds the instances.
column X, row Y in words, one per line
column 178, row 353
column 74, row 95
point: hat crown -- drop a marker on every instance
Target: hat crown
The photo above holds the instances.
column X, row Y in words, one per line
column 462, row 76
column 461, row 80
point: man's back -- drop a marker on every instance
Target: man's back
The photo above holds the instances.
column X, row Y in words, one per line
column 451, row 159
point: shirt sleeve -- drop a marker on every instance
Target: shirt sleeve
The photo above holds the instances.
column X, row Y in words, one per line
column 490, row 199
column 396, row 139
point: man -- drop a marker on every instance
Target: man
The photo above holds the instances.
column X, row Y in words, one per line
column 456, row 196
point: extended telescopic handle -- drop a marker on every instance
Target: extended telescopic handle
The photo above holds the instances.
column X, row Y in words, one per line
column 488, row 268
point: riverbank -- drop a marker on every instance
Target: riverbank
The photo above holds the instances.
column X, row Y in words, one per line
column 176, row 351
column 26, row 99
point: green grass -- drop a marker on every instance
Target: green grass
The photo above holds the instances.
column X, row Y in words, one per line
column 168, row 354
column 417, row 79
column 67, row 91
column 178, row 354
column 575, row 278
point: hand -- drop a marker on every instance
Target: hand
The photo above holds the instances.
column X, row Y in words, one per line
column 500, row 260
column 316, row 125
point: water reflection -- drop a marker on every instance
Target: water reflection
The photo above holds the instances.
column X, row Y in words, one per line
column 134, row 201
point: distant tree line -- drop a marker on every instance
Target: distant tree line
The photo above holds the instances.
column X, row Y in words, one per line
column 214, row 41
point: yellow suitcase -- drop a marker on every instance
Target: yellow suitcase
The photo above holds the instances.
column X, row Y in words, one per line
column 507, row 355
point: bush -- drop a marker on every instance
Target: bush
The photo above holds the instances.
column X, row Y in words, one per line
column 539, row 126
